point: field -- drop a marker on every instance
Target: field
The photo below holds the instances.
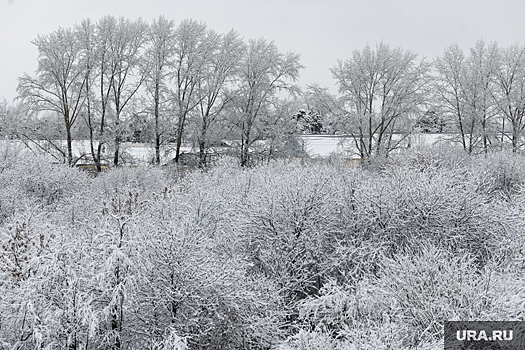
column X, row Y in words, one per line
column 315, row 146
column 286, row 255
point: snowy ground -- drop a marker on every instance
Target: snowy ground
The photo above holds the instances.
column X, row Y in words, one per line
column 324, row 145
column 141, row 153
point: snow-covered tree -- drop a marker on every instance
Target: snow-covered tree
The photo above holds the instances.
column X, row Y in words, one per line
column 465, row 88
column 217, row 86
column 127, row 71
column 382, row 91
column 263, row 73
column 193, row 50
column 58, row 86
column 160, row 53
column 509, row 92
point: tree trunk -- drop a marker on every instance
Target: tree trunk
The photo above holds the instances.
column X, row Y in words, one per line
column 180, row 130
column 69, row 145
column 244, row 150
column 157, row 149
column 202, row 145
column 99, row 154
column 515, row 137
column 157, row 131
column 100, row 143
column 117, row 139
column 202, row 154
column 117, row 146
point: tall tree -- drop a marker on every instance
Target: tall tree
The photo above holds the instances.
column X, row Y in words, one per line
column 451, row 89
column 216, row 86
column 465, row 88
column 481, row 66
column 381, row 91
column 103, row 82
column 160, row 51
column 193, row 49
column 510, row 92
column 128, row 71
column 264, row 71
column 59, row 82
column 86, row 33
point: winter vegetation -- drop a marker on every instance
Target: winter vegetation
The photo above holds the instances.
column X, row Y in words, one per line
column 278, row 256
column 229, row 236
column 173, row 86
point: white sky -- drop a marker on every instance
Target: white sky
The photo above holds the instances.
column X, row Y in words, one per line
column 322, row 31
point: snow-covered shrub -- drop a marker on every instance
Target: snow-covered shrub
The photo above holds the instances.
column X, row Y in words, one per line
column 427, row 288
column 10, row 153
column 43, row 286
column 305, row 340
column 33, row 181
column 136, row 179
column 171, row 341
column 370, row 338
column 189, row 267
column 406, row 305
column 291, row 221
column 238, row 258
column 437, row 156
column 403, row 209
column 499, row 175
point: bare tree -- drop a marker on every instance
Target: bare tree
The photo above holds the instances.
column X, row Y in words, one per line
column 59, row 82
column 510, row 92
column 465, row 86
column 103, row 77
column 160, row 53
column 381, row 90
column 215, row 85
column 128, row 71
column 481, row 66
column 450, row 87
column 192, row 53
column 264, row 72
column 86, row 32
column 114, row 71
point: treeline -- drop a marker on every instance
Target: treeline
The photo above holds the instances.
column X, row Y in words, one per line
column 281, row 256
column 479, row 98
column 119, row 80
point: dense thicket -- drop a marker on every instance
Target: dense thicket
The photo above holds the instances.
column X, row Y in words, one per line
column 288, row 255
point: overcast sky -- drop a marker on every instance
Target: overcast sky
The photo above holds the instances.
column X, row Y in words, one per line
column 322, row 31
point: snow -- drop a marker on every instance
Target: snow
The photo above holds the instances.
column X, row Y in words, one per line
column 315, row 145
column 325, row 145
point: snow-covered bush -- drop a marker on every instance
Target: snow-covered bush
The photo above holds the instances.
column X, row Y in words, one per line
column 406, row 305
column 136, row 179
column 291, row 219
column 297, row 255
column 33, row 181
column 404, row 209
column 500, row 175
column 171, row 341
